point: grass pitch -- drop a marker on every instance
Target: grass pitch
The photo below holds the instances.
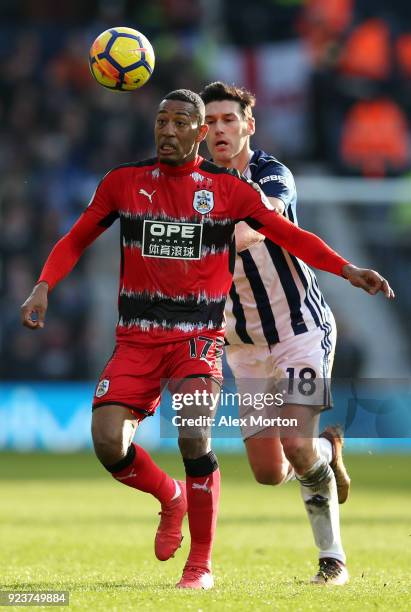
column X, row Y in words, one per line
column 66, row 525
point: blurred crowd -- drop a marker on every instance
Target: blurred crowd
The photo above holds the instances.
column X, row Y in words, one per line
column 60, row 131
column 361, row 96
column 360, row 84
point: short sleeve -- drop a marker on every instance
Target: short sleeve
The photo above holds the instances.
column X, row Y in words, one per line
column 276, row 181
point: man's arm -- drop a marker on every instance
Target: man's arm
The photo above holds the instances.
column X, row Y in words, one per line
column 60, row 262
column 315, row 252
column 245, row 237
column 99, row 215
column 305, row 245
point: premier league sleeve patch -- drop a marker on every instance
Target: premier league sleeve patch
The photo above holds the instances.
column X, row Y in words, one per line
column 102, row 387
column 203, row 201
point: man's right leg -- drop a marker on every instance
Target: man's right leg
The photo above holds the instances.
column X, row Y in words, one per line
column 266, row 457
column 252, row 369
column 318, row 491
column 113, row 428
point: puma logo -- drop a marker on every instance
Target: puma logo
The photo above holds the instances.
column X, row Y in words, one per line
column 148, row 195
column 132, row 473
column 202, row 487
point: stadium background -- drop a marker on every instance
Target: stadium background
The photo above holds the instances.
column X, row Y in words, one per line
column 333, row 86
column 333, row 102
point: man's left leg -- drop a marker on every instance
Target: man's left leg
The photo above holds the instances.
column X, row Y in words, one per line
column 202, row 485
column 319, row 492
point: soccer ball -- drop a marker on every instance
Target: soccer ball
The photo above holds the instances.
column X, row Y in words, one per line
column 121, row 59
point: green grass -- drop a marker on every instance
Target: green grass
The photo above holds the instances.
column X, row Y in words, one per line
column 65, row 524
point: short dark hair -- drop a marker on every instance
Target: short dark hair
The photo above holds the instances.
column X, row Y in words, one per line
column 186, row 95
column 218, row 91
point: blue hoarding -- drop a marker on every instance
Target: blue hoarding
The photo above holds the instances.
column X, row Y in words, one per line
column 56, row 417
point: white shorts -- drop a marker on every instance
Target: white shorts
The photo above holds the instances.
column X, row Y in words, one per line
column 299, row 369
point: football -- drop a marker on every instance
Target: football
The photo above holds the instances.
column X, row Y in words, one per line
column 121, row 59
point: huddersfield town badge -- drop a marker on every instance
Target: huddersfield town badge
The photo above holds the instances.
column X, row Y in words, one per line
column 102, row 387
column 203, row 201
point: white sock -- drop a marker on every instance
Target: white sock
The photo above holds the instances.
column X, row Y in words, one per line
column 290, row 475
column 177, row 491
column 319, row 493
column 325, row 449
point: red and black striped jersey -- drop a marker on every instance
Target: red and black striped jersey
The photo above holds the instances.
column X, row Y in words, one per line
column 177, row 244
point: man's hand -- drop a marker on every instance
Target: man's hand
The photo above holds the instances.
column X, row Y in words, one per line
column 36, row 304
column 369, row 280
column 246, row 237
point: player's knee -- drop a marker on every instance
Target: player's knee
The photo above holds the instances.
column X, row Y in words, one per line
column 273, row 475
column 108, row 446
column 297, row 450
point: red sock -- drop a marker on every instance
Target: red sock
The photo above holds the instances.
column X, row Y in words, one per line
column 203, row 494
column 143, row 474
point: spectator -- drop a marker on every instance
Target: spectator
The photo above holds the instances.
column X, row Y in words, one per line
column 60, row 132
column 374, row 140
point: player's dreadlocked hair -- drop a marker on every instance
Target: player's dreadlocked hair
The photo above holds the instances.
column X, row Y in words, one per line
column 186, row 95
column 218, row 91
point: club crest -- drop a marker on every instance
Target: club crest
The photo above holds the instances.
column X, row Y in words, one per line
column 102, row 387
column 203, row 201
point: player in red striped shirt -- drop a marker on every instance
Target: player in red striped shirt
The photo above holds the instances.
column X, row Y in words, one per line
column 177, row 215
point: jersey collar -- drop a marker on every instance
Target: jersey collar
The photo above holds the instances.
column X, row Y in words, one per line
column 247, row 170
column 187, row 168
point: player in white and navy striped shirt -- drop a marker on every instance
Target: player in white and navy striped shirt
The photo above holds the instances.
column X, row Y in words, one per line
column 279, row 328
column 280, row 297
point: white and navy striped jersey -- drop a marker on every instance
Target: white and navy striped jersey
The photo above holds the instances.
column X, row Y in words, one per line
column 274, row 295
